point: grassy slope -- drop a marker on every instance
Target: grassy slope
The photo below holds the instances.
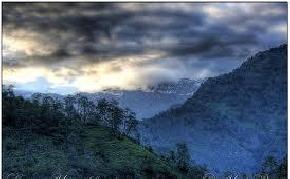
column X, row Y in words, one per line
column 94, row 151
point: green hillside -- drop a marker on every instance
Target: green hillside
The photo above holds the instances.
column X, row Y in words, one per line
column 50, row 139
column 92, row 151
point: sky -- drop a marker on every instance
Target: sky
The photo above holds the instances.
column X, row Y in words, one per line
column 70, row 47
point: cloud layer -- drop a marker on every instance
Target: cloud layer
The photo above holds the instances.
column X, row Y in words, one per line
column 91, row 46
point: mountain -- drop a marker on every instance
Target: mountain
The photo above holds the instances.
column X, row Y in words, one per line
column 144, row 102
column 233, row 121
column 148, row 102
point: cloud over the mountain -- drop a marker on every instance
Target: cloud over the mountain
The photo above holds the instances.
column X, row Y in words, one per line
column 131, row 39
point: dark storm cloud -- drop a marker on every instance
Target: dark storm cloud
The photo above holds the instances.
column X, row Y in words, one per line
column 96, row 32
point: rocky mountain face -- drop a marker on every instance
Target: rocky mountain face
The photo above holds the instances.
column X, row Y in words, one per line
column 144, row 102
column 233, row 120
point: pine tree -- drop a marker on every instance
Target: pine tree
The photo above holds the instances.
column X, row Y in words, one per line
column 270, row 165
column 182, row 157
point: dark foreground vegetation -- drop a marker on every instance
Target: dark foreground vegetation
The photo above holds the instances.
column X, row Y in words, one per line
column 44, row 138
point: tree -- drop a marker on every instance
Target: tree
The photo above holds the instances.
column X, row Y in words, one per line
column 182, row 157
column 269, row 165
column 130, row 123
column 47, row 106
column 83, row 103
column 197, row 171
column 116, row 118
column 172, row 156
column 111, row 115
column 35, row 98
column 8, row 106
column 282, row 169
column 92, row 114
column 102, row 110
column 47, row 103
column 69, row 107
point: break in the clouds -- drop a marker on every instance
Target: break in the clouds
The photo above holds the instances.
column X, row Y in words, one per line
column 91, row 46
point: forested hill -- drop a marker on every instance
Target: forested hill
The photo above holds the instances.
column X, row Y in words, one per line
column 233, row 121
column 78, row 139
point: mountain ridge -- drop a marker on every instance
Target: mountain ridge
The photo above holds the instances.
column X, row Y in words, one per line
column 144, row 102
column 221, row 121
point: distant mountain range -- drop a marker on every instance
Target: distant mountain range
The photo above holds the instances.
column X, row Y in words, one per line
column 144, row 102
column 233, row 120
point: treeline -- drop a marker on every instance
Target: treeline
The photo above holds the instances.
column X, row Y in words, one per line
column 180, row 158
column 273, row 168
column 44, row 114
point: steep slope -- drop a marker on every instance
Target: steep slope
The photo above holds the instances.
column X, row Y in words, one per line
column 232, row 121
